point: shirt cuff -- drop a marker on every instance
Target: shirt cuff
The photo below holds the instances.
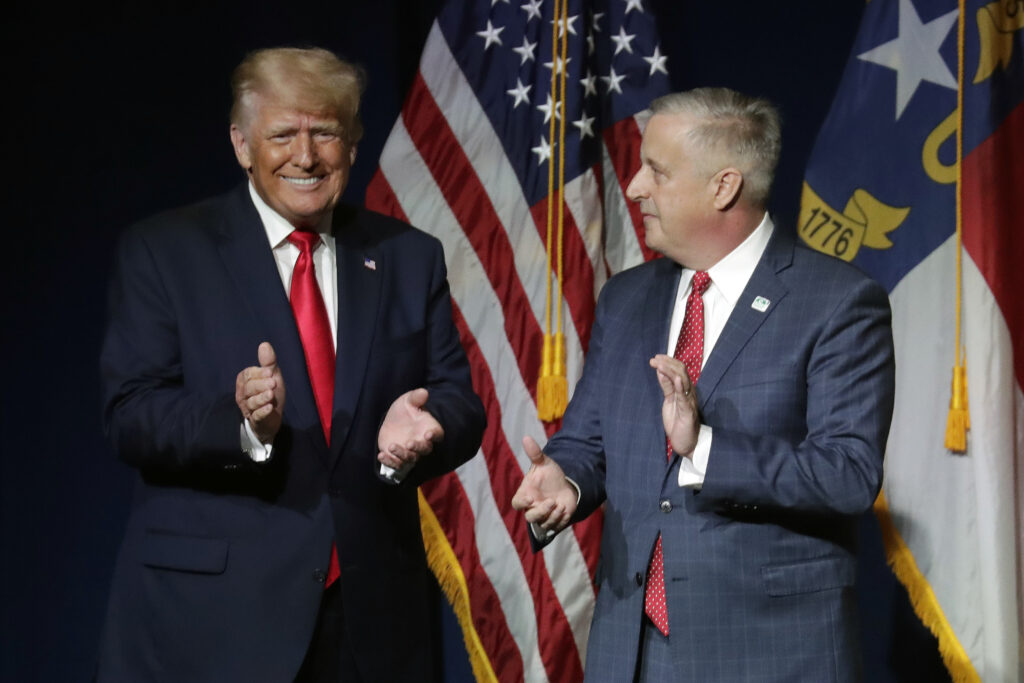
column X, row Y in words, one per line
column 251, row 445
column 396, row 476
column 692, row 469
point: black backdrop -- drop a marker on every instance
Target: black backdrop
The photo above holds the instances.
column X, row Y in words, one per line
column 115, row 112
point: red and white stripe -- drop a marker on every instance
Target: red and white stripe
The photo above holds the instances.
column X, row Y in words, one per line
column 443, row 170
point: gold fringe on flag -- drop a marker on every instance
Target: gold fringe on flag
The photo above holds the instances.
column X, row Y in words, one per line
column 552, row 385
column 922, row 598
column 959, row 419
column 448, row 571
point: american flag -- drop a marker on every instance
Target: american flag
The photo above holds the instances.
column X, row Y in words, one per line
column 468, row 161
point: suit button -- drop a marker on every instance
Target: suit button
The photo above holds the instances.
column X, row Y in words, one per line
column 665, row 506
column 334, row 492
column 319, row 576
column 639, row 579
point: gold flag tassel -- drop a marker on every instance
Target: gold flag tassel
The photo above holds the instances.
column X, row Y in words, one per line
column 959, row 419
column 552, row 385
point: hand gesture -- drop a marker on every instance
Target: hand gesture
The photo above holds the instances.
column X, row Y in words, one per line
column 546, row 496
column 408, row 432
column 259, row 393
column 679, row 409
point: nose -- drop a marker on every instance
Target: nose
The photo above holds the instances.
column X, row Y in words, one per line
column 637, row 189
column 304, row 151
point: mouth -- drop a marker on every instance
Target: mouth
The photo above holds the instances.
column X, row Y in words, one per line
column 302, row 182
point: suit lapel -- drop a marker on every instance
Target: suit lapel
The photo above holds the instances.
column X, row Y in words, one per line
column 361, row 271
column 656, row 318
column 248, row 258
column 747, row 317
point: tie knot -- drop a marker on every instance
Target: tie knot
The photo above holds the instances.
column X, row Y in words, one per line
column 701, row 280
column 305, row 240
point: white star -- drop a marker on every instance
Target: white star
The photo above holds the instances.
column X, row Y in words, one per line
column 548, row 65
column 590, row 43
column 589, row 84
column 612, row 80
column 547, row 108
column 525, row 51
column 633, row 5
column 657, row 61
column 567, row 22
column 586, row 126
column 495, row 2
column 532, row 9
column 623, row 40
column 520, row 92
column 597, row 16
column 543, row 151
column 914, row 54
column 490, row 34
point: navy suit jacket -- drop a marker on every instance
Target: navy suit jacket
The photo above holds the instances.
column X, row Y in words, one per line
column 221, row 571
column 759, row 564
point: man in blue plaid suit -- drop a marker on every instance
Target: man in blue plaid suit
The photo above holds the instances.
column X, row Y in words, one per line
column 734, row 558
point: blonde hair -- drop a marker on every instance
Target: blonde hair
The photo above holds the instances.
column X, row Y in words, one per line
column 312, row 79
column 733, row 129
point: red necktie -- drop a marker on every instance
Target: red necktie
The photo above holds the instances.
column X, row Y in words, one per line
column 690, row 350
column 317, row 342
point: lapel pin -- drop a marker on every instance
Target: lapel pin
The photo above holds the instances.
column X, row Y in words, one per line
column 760, row 304
column 369, row 263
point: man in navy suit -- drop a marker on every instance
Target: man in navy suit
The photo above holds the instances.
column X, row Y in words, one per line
column 274, row 534
column 731, row 559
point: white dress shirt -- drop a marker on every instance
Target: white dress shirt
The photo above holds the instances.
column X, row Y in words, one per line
column 728, row 279
column 325, row 265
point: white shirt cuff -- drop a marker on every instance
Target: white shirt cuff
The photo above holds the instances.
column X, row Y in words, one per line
column 393, row 475
column 256, row 449
column 691, row 470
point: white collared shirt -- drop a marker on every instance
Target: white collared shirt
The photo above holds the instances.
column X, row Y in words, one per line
column 728, row 279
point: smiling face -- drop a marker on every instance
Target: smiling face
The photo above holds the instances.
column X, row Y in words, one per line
column 298, row 160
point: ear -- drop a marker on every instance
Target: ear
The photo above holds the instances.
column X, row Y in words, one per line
column 727, row 184
column 241, row 148
column 352, row 154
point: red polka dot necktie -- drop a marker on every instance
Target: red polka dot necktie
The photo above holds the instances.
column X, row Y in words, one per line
column 690, row 350
column 317, row 342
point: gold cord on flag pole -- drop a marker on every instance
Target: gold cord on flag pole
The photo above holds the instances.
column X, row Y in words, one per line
column 959, row 419
column 552, row 385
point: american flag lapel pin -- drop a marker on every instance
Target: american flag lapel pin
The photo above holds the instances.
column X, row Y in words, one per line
column 369, row 263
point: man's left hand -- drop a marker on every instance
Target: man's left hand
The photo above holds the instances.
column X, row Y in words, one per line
column 679, row 409
column 408, row 431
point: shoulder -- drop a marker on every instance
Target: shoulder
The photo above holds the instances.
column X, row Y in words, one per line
column 183, row 225
column 639, row 281
column 828, row 274
column 356, row 224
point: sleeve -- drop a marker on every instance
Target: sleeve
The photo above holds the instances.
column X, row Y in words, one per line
column 836, row 468
column 578, row 447
column 452, row 400
column 154, row 421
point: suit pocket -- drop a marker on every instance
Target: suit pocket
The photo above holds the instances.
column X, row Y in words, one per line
column 184, row 553
column 810, row 576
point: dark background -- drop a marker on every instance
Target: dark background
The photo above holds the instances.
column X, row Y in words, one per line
column 115, row 112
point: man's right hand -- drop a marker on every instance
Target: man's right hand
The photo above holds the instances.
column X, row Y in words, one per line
column 259, row 393
column 546, row 496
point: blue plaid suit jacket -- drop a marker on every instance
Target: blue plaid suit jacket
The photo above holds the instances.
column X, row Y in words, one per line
column 760, row 563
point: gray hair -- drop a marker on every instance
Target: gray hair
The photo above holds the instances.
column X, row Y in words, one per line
column 308, row 78
column 733, row 129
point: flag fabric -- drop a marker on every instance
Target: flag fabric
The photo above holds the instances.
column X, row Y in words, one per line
column 883, row 189
column 468, row 161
